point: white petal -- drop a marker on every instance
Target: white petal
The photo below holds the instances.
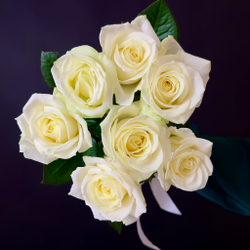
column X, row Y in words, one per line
column 203, row 66
column 171, row 45
column 77, row 177
column 85, row 137
column 110, row 35
column 125, row 93
column 23, row 125
column 30, row 152
column 143, row 23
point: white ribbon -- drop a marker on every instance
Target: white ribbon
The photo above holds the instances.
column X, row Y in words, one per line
column 162, row 197
column 165, row 203
column 144, row 238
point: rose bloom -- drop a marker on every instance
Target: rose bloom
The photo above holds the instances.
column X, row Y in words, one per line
column 175, row 83
column 189, row 166
column 136, row 141
column 49, row 132
column 132, row 47
column 110, row 193
column 87, row 80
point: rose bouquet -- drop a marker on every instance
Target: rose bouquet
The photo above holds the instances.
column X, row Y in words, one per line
column 118, row 119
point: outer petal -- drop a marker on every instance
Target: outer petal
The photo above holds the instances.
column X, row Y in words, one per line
column 37, row 102
column 23, row 125
column 112, row 33
column 125, row 93
column 30, row 152
column 165, row 183
column 189, row 137
column 77, row 177
column 85, row 142
column 143, row 23
column 203, row 66
column 170, row 45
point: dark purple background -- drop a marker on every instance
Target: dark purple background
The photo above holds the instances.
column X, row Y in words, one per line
column 36, row 216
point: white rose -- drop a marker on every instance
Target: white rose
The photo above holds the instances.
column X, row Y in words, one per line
column 87, row 80
column 132, row 47
column 49, row 132
column 175, row 83
column 111, row 194
column 136, row 141
column 189, row 166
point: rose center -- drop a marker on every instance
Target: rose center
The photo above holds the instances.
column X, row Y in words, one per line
column 54, row 129
column 133, row 53
column 50, row 126
column 106, row 192
column 188, row 166
column 83, row 83
column 165, row 89
column 135, row 142
column 169, row 85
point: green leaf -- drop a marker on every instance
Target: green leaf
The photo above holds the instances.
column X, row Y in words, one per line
column 100, row 152
column 94, row 127
column 97, row 132
column 58, row 172
column 96, row 150
column 137, row 96
column 117, row 226
column 91, row 151
column 47, row 60
column 161, row 20
column 229, row 184
column 91, row 123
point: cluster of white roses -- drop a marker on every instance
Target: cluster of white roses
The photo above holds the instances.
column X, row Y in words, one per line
column 136, row 140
